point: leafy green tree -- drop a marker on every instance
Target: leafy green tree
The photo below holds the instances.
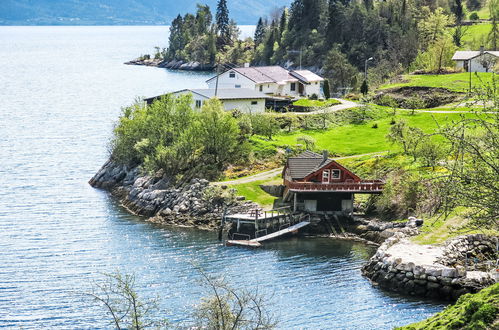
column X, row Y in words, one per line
column 308, row 141
column 340, row 72
column 494, row 19
column 264, row 124
column 434, row 27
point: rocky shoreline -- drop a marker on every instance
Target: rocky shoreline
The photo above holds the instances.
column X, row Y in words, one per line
column 155, row 197
column 173, row 65
column 398, row 265
column 433, row 271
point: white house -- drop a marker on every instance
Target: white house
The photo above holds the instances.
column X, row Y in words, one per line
column 476, row 61
column 271, row 80
column 242, row 99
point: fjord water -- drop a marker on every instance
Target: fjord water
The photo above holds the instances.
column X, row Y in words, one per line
column 61, row 89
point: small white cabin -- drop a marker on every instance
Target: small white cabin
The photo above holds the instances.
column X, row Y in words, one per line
column 476, row 61
column 243, row 99
column 271, row 80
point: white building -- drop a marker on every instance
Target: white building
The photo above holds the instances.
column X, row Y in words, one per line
column 242, row 99
column 476, row 61
column 271, row 80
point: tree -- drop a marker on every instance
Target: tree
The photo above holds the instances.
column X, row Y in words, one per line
column 327, row 92
column 259, row 32
column 434, row 27
column 473, row 179
column 494, row 19
column 227, row 308
column 364, row 89
column 264, row 124
column 341, row 73
column 120, row 299
column 222, row 20
column 459, row 31
column 406, row 136
column 308, row 141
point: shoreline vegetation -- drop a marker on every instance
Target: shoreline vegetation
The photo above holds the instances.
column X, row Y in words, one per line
column 439, row 165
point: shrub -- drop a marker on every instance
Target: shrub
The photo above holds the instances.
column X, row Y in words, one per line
column 474, row 16
column 375, row 125
column 313, row 97
column 308, row 141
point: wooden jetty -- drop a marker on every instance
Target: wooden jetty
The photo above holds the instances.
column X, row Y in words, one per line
column 250, row 229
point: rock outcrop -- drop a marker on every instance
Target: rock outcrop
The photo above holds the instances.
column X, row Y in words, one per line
column 155, row 197
column 423, row 270
column 174, row 65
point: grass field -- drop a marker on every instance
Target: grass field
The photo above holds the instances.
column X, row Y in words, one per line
column 477, row 32
column 253, row 192
column 315, row 103
column 484, row 12
column 458, row 82
column 357, row 139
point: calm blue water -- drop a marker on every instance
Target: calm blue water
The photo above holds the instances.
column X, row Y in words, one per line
column 61, row 89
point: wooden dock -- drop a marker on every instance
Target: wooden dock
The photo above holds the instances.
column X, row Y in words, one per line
column 255, row 242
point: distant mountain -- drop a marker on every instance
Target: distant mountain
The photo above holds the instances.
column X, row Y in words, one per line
column 122, row 12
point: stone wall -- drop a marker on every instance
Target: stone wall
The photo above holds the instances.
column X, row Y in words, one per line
column 155, row 196
column 422, row 270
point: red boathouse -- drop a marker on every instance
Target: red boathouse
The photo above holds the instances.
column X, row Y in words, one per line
column 317, row 184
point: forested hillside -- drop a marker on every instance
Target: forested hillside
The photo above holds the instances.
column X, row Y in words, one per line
column 337, row 37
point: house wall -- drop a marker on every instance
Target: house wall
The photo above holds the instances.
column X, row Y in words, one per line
column 476, row 65
column 344, row 175
column 313, row 88
column 245, row 105
column 225, row 81
column 325, row 202
column 268, row 88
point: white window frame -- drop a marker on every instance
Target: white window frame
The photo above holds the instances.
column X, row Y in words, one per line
column 292, row 87
column 261, row 88
column 325, row 176
column 199, row 103
column 237, row 86
column 335, row 174
column 232, row 74
column 254, row 102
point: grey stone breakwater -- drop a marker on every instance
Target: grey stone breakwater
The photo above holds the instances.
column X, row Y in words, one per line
column 174, row 65
column 428, row 270
column 156, row 197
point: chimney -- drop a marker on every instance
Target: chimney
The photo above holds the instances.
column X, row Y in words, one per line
column 481, row 50
column 325, row 155
column 246, row 65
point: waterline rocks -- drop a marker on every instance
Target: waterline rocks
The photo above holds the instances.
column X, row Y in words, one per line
column 174, row 65
column 402, row 266
column 157, row 198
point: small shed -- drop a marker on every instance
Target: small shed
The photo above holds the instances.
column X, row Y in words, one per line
column 476, row 61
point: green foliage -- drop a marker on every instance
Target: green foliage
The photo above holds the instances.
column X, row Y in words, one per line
column 264, row 124
column 168, row 135
column 310, row 103
column 474, row 16
column 308, row 141
column 364, row 89
column 471, row 311
column 327, row 92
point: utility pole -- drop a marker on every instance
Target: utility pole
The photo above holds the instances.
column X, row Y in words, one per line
column 469, row 69
column 218, row 74
column 297, row 52
column 365, row 67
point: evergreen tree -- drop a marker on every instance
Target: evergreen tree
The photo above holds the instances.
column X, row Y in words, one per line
column 494, row 17
column 222, row 20
column 283, row 23
column 364, row 89
column 333, row 30
column 327, row 92
column 259, row 32
column 176, row 39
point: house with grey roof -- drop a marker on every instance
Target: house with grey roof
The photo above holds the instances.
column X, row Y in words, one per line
column 271, row 80
column 243, row 99
column 318, row 184
column 476, row 61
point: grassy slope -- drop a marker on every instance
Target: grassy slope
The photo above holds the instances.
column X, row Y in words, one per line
column 357, row 139
column 253, row 192
column 458, row 82
column 484, row 12
column 477, row 31
column 471, row 311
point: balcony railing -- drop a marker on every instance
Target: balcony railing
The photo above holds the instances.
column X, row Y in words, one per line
column 363, row 186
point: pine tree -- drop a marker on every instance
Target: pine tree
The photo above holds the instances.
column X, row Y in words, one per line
column 283, row 24
column 259, row 32
column 222, row 19
column 327, row 92
column 333, row 32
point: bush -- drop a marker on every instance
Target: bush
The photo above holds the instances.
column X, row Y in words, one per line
column 314, row 97
column 474, row 16
column 375, row 125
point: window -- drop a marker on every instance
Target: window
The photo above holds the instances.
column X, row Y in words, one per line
column 254, row 102
column 261, row 88
column 293, row 87
column 199, row 103
column 238, row 86
column 325, row 176
column 232, row 74
column 335, row 174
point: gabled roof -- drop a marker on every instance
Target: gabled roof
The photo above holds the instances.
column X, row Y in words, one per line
column 304, row 164
column 306, row 76
column 226, row 93
column 274, row 74
column 463, row 55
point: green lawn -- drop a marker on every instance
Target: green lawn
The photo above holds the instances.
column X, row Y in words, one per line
column 315, row 103
column 484, row 12
column 253, row 192
column 356, row 139
column 458, row 82
column 477, row 31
